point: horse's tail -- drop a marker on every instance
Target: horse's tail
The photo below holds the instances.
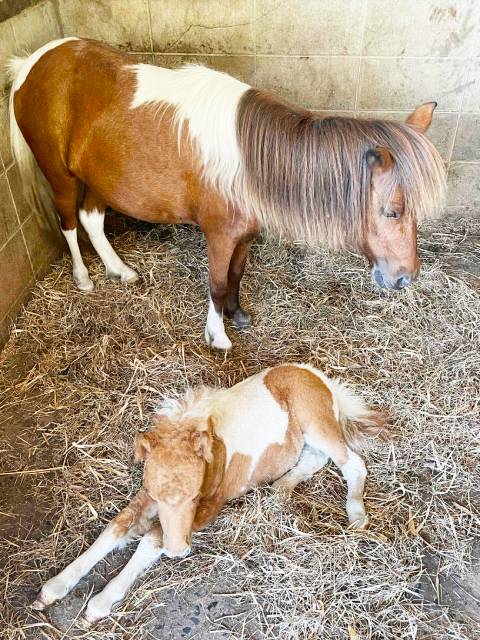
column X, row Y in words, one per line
column 36, row 189
column 359, row 423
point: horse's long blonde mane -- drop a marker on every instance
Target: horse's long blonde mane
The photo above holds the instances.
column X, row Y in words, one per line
column 306, row 177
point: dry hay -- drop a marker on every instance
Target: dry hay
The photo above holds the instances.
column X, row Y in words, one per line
column 90, row 369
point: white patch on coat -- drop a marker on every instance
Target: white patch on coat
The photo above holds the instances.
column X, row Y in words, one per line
column 311, row 460
column 249, row 419
column 215, row 335
column 80, row 271
column 92, row 222
column 208, row 101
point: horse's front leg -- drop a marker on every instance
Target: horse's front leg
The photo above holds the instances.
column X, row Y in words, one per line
column 149, row 549
column 232, row 308
column 220, row 250
column 135, row 519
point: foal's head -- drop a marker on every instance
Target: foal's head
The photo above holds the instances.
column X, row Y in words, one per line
column 404, row 188
column 175, row 456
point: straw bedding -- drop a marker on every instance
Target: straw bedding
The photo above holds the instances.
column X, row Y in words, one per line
column 83, row 372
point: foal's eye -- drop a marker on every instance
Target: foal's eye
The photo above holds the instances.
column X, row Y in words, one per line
column 390, row 213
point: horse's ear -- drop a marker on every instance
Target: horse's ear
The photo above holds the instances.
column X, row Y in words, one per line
column 203, row 442
column 421, row 118
column 379, row 159
column 143, row 445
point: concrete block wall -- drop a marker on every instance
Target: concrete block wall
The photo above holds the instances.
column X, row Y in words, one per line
column 27, row 248
column 363, row 58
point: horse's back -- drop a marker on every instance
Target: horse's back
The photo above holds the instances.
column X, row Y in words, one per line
column 82, row 91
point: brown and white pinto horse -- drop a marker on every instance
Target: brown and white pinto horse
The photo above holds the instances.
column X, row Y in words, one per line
column 197, row 146
column 213, row 445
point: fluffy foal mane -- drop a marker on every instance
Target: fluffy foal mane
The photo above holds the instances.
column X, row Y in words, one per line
column 194, row 406
column 306, row 176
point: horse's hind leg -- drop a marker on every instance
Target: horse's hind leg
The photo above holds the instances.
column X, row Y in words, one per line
column 65, row 196
column 133, row 520
column 311, row 460
column 92, row 214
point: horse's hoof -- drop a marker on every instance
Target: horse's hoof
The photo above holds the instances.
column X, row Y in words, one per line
column 360, row 524
column 38, row 605
column 220, row 342
column 241, row 319
column 84, row 285
column 128, row 276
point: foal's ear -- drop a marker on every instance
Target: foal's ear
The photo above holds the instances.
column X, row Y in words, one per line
column 143, row 445
column 421, row 118
column 203, row 442
column 379, row 160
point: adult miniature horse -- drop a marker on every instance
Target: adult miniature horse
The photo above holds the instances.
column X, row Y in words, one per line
column 197, row 146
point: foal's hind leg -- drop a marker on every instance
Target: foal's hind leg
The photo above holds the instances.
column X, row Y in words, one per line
column 92, row 214
column 133, row 520
column 65, row 194
column 311, row 460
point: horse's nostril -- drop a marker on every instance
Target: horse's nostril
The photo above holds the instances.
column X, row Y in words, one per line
column 403, row 281
column 378, row 277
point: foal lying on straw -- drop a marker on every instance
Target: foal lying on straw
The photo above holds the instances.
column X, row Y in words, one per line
column 213, row 445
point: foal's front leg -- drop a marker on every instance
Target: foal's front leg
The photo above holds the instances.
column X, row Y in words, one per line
column 149, row 549
column 133, row 520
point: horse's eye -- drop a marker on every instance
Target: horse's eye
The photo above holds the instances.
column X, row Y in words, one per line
column 390, row 213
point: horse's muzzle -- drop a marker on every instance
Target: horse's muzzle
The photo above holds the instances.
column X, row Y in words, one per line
column 399, row 282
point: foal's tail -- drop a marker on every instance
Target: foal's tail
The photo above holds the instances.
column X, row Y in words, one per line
column 35, row 186
column 358, row 422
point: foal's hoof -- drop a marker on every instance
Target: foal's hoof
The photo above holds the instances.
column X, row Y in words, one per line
column 84, row 284
column 126, row 275
column 38, row 605
column 241, row 319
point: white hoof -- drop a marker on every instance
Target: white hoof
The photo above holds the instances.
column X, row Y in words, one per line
column 218, row 341
column 83, row 283
column 359, row 523
column 125, row 274
column 97, row 609
column 284, row 486
column 51, row 591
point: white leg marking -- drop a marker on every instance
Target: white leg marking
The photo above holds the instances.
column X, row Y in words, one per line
column 146, row 553
column 355, row 473
column 310, row 461
column 215, row 335
column 63, row 583
column 93, row 224
column 80, row 272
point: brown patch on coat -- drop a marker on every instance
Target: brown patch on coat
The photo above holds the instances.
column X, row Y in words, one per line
column 309, row 403
column 136, row 518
